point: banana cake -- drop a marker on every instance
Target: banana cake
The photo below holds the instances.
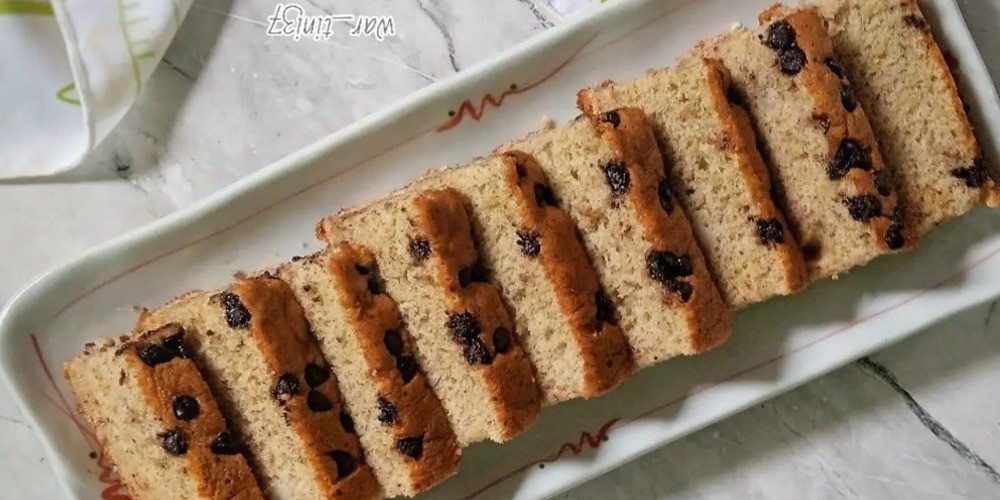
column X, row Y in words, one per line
column 710, row 151
column 464, row 338
column 154, row 416
column 399, row 420
column 254, row 346
column 829, row 174
column 902, row 79
column 608, row 175
column 532, row 251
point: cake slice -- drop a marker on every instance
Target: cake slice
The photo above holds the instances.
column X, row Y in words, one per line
column 904, row 83
column 399, row 420
column 710, row 150
column 608, row 175
column 836, row 191
column 464, row 338
column 262, row 363
column 156, row 419
column 533, row 253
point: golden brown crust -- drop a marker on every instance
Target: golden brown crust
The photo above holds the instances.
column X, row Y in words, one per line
column 419, row 411
column 279, row 329
column 739, row 129
column 441, row 218
column 607, row 358
column 990, row 194
column 840, row 124
column 705, row 312
column 216, row 475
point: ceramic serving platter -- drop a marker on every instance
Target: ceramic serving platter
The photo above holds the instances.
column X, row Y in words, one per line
column 269, row 217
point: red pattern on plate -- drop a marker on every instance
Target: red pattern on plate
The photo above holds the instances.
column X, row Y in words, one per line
column 116, row 489
column 585, row 439
column 476, row 113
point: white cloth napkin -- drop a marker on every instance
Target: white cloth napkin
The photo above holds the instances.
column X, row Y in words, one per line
column 70, row 71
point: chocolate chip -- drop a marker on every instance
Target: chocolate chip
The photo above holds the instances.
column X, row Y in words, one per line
column 346, row 464
column 407, row 367
column 792, row 61
column 501, row 340
column 420, row 249
column 186, row 408
column 850, row 154
column 734, row 97
column 812, row 251
column 883, row 182
column 393, row 342
column 317, row 402
column 465, row 277
column 894, row 237
column 605, row 308
column 612, row 117
column 666, row 266
column 780, row 36
column 237, row 315
column 848, row 99
column 835, row 66
column 288, row 385
column 362, row 270
column 666, row 197
column 974, row 175
column 224, row 444
column 476, row 353
column 864, row 207
column 521, row 172
column 315, row 374
column 528, row 241
column 480, row 274
column 683, row 289
column 386, row 411
column 175, row 344
column 464, row 326
column 346, row 421
column 544, row 195
column 915, row 21
column 617, row 177
column 412, row 447
column 174, row 443
column 152, row 354
column 374, row 286
column 770, row 232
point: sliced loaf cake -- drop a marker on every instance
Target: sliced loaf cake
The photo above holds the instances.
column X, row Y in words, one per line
column 904, row 83
column 255, row 349
column 608, row 175
column 399, row 420
column 710, row 151
column 532, row 251
column 464, row 338
column 836, row 191
column 156, row 419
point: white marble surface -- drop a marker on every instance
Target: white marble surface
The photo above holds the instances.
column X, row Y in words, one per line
column 918, row 420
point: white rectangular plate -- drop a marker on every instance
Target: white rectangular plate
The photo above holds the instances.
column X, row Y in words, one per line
column 269, row 217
